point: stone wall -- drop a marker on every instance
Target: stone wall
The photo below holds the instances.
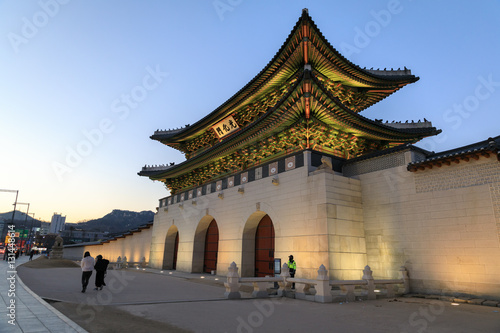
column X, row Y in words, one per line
column 442, row 223
column 134, row 246
column 314, row 214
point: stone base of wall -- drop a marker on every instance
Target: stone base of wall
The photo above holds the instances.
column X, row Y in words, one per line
column 456, row 289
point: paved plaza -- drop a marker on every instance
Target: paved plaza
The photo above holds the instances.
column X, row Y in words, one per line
column 169, row 301
column 24, row 311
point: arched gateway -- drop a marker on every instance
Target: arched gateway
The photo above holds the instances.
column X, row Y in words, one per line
column 211, row 248
column 206, row 246
column 257, row 255
column 264, row 247
column 171, row 248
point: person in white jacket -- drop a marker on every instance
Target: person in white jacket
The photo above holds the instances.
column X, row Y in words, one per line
column 87, row 268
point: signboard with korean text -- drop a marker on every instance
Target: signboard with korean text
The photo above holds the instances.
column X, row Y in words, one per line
column 225, row 127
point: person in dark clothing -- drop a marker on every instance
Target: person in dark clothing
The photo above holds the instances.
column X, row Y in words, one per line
column 292, row 266
column 32, row 252
column 100, row 266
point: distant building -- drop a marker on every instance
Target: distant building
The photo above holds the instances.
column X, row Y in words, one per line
column 57, row 223
column 44, row 228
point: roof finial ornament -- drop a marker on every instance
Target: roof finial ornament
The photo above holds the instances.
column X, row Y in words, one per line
column 305, row 10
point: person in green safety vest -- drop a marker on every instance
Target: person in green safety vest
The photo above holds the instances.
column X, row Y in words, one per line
column 292, row 266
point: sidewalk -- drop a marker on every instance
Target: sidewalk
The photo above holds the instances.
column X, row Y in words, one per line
column 27, row 312
column 195, row 303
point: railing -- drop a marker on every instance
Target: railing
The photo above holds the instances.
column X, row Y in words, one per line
column 322, row 285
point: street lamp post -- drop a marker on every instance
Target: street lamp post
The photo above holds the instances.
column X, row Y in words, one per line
column 30, row 231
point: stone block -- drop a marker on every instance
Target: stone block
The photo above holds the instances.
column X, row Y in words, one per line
column 327, row 211
column 491, row 303
column 476, row 301
column 460, row 300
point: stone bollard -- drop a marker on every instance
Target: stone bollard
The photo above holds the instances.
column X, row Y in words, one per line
column 233, row 282
column 323, row 289
column 284, row 285
column 124, row 262
column 368, row 277
column 142, row 262
column 403, row 272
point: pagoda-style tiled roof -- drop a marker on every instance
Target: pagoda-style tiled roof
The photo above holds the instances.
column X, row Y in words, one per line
column 486, row 148
column 365, row 87
column 308, row 96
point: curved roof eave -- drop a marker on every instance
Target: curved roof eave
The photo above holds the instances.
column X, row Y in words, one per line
column 220, row 146
column 426, row 131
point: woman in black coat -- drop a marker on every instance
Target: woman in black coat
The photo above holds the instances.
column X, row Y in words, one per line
column 100, row 268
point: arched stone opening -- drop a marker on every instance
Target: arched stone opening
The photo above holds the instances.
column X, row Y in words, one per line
column 171, row 248
column 257, row 245
column 211, row 248
column 201, row 254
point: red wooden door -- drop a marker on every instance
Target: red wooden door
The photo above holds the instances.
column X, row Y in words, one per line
column 264, row 248
column 211, row 248
column 176, row 248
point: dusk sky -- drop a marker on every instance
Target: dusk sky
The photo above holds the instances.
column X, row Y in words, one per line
column 84, row 84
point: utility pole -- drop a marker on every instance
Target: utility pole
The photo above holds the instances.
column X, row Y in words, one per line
column 15, row 202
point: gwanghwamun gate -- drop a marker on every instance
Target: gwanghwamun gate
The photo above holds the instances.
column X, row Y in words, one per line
column 288, row 165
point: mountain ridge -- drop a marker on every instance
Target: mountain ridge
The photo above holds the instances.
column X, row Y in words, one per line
column 115, row 222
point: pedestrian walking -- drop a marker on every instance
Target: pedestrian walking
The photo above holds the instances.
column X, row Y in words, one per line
column 87, row 268
column 100, row 266
column 32, row 252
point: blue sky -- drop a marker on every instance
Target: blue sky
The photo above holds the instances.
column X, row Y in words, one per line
column 85, row 83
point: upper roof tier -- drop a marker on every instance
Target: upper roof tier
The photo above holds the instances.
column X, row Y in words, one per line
column 357, row 88
column 307, row 97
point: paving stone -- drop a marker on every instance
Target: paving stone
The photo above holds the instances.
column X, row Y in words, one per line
column 490, row 303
